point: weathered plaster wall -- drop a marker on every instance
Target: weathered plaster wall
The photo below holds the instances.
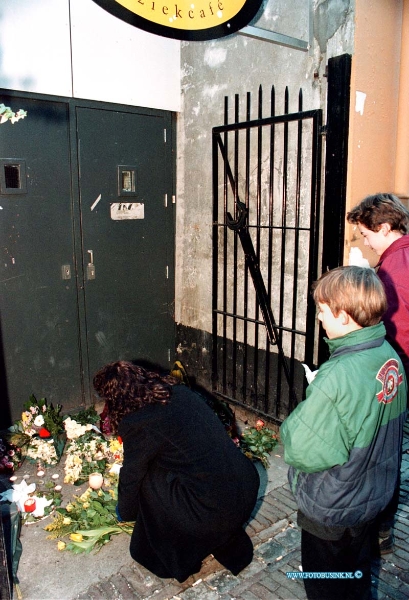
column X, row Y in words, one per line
column 237, row 65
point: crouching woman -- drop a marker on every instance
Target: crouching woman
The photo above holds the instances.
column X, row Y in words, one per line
column 186, row 485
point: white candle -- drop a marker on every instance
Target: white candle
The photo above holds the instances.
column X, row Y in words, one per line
column 95, row 481
column 13, row 478
column 58, row 488
column 40, row 473
column 55, row 476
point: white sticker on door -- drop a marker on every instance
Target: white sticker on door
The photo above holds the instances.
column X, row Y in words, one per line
column 127, row 210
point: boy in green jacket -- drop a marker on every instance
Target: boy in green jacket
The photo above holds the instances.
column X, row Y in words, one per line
column 344, row 441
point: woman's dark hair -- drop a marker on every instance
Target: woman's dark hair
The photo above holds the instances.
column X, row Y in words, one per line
column 375, row 210
column 127, row 387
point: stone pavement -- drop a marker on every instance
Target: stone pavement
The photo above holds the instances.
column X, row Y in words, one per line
column 276, row 539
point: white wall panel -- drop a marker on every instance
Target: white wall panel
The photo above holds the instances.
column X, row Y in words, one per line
column 35, row 46
column 75, row 48
column 116, row 62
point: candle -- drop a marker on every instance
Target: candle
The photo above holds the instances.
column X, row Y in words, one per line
column 13, row 478
column 40, row 473
column 55, row 476
column 95, row 481
column 58, row 488
column 30, row 505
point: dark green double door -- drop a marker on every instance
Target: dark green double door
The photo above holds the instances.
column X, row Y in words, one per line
column 87, row 245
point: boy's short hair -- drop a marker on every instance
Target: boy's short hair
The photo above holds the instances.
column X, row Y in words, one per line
column 380, row 208
column 356, row 290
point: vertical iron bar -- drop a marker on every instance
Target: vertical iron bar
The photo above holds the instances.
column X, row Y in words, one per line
column 296, row 238
column 270, row 242
column 258, row 213
column 235, row 246
column 225, row 246
column 246, row 280
column 315, row 203
column 283, row 242
column 215, row 170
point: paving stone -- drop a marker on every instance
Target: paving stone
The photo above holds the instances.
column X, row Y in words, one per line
column 199, row 592
column 289, row 538
column 272, row 512
column 123, row 588
column 141, row 580
column 389, row 591
column 270, row 551
column 222, row 582
column 260, row 591
column 247, row 595
column 259, row 523
column 284, row 498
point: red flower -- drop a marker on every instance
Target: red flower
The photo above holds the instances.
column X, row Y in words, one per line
column 260, row 424
column 119, row 439
column 44, row 433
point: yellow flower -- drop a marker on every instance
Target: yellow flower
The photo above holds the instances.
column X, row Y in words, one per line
column 67, row 520
column 69, row 507
column 86, row 505
column 76, row 537
column 84, row 497
column 100, row 493
column 61, row 545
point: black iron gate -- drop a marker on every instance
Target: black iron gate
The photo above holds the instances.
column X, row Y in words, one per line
column 267, row 236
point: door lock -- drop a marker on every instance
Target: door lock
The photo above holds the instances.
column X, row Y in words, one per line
column 90, row 266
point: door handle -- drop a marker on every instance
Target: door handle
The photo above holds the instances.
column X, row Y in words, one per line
column 90, row 265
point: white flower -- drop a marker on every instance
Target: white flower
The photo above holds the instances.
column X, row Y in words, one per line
column 38, row 421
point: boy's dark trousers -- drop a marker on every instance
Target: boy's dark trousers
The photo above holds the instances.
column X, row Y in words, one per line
column 350, row 554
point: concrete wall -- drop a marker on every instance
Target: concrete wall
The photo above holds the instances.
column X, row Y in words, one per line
column 75, row 48
column 215, row 69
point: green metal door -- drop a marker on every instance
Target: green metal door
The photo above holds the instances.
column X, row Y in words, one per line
column 127, row 235
column 87, row 242
column 39, row 316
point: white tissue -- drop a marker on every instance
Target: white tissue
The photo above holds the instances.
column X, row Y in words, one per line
column 310, row 375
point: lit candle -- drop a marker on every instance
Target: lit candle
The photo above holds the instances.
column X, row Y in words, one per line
column 95, row 481
column 30, row 505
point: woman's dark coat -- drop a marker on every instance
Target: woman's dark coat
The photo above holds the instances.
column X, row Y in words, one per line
column 187, row 486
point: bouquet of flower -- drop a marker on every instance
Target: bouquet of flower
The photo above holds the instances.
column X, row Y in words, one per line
column 11, row 454
column 89, row 520
column 86, row 454
column 43, row 426
column 40, row 419
column 74, row 429
column 42, row 450
column 258, row 442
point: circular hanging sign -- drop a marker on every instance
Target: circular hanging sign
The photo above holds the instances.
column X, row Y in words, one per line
column 192, row 20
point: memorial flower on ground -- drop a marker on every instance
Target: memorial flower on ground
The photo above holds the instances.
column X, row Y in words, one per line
column 84, row 455
column 74, row 429
column 88, row 521
column 258, row 442
column 42, row 450
column 38, row 415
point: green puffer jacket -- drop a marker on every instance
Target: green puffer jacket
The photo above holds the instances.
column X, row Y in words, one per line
column 344, row 442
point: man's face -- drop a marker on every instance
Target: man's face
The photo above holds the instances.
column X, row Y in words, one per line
column 376, row 240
